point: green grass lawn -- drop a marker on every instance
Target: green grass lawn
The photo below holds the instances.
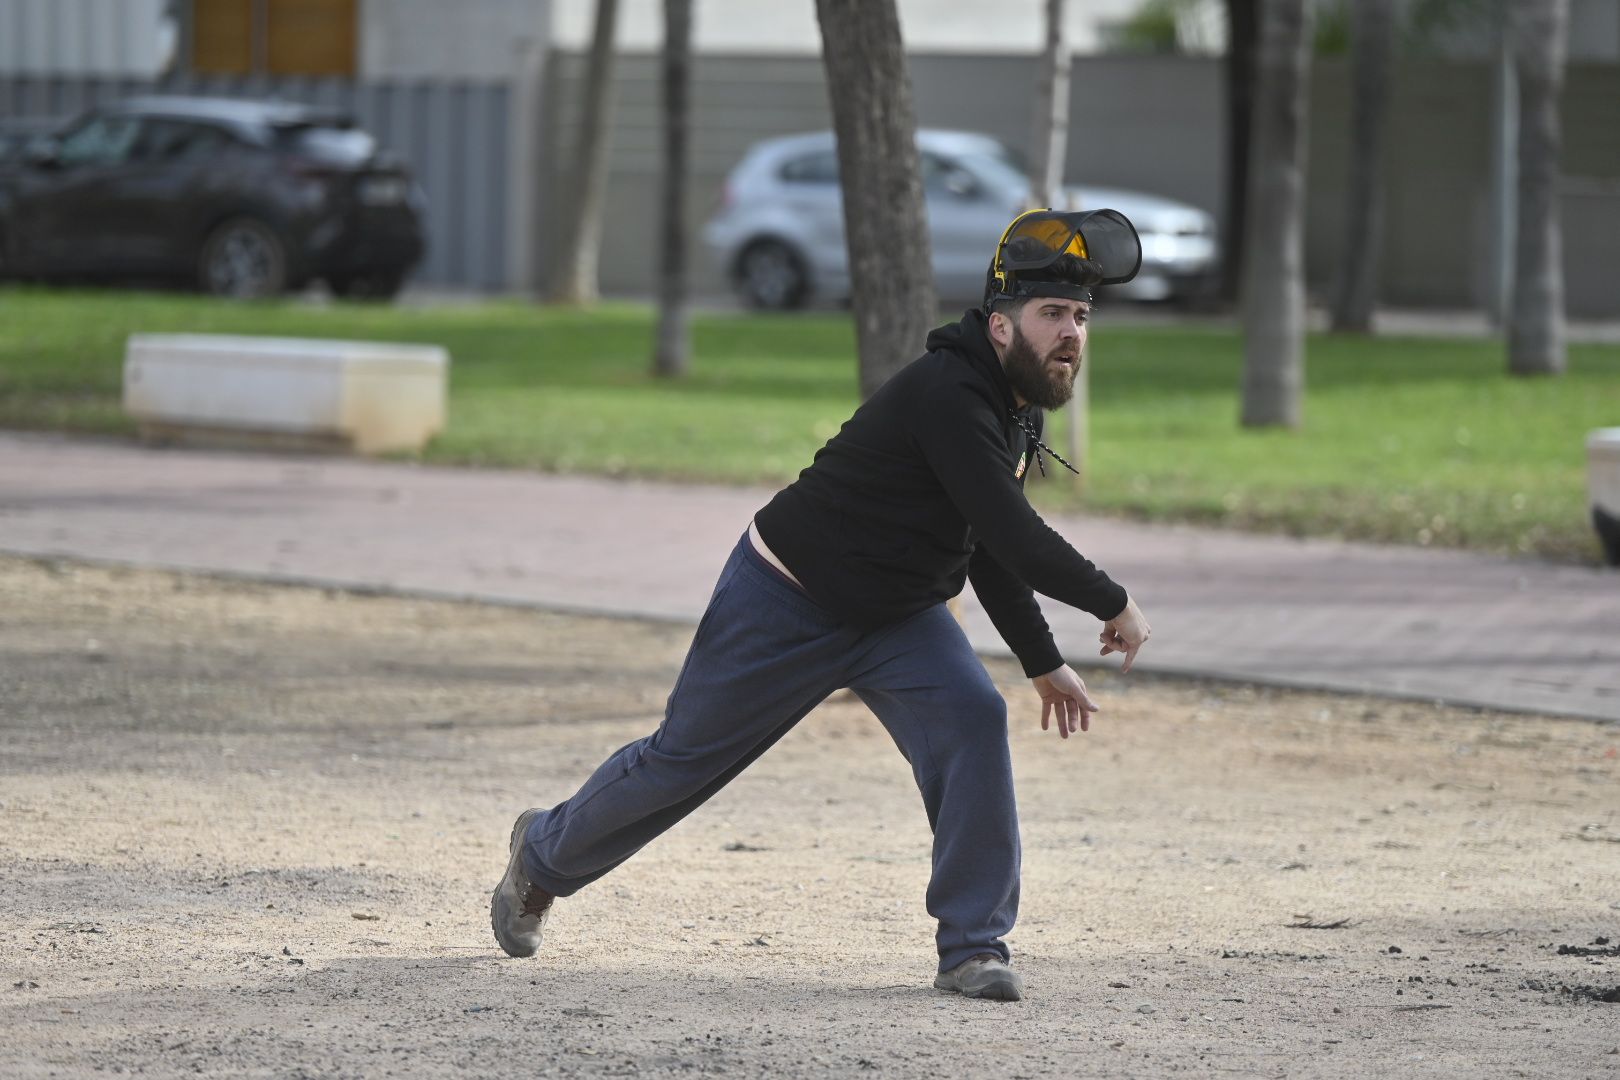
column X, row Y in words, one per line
column 1413, row 441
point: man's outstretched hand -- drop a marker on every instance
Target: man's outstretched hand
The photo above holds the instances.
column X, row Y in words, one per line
column 1063, row 694
column 1126, row 633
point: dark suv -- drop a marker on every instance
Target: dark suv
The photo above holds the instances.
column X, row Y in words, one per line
column 241, row 198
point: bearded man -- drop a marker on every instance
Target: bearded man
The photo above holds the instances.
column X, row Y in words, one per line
column 841, row 581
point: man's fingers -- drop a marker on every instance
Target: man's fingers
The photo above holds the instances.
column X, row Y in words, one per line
column 1087, row 708
column 1046, row 714
column 1130, row 658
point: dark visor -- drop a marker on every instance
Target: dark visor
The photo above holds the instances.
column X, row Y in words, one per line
column 1103, row 237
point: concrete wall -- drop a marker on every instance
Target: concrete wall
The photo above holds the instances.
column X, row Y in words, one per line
column 111, row 38
column 1594, row 30
column 1150, row 123
column 1439, row 243
column 483, row 40
column 755, row 26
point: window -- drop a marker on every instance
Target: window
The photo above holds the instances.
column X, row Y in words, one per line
column 274, row 37
column 817, row 168
column 180, row 140
column 942, row 174
column 102, row 140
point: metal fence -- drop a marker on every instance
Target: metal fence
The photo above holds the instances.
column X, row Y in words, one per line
column 453, row 135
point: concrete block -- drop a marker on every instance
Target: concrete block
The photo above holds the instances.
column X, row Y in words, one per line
column 300, row 393
column 1603, row 481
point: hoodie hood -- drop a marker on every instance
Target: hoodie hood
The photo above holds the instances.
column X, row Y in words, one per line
column 969, row 338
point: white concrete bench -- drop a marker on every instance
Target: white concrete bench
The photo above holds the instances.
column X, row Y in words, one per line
column 1603, row 481
column 362, row 396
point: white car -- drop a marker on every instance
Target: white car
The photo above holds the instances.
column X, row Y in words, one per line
column 779, row 232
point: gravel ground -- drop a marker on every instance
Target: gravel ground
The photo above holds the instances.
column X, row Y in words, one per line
column 251, row 831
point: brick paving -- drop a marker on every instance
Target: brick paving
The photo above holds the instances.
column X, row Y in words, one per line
column 1463, row 628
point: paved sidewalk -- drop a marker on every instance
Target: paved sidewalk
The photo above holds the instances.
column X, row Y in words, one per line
column 1392, row 621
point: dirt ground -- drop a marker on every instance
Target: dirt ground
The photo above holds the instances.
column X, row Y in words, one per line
column 251, row 831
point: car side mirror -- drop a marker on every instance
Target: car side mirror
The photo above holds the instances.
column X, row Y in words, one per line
column 962, row 185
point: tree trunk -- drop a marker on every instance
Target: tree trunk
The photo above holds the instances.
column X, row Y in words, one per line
column 1536, row 313
column 1243, row 38
column 1051, row 127
column 1372, row 40
column 1274, row 281
column 1050, row 138
column 672, row 347
column 578, row 281
column 885, row 219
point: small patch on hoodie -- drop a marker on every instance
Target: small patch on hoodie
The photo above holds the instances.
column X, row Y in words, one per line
column 1023, row 463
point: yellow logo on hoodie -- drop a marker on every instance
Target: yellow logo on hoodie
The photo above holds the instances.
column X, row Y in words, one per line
column 1023, row 463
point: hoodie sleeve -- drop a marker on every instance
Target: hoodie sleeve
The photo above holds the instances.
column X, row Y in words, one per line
column 1014, row 613
column 959, row 431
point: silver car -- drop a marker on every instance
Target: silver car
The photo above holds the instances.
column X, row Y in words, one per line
column 779, row 232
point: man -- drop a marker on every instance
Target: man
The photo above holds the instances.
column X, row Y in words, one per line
column 841, row 581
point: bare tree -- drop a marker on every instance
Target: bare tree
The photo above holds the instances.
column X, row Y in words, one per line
column 1051, row 127
column 1539, row 30
column 1243, row 38
column 1372, row 41
column 578, row 281
column 885, row 219
column 1050, row 137
column 672, row 346
column 1274, row 278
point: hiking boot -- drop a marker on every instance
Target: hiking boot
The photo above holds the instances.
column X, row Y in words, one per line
column 518, row 910
column 984, row 976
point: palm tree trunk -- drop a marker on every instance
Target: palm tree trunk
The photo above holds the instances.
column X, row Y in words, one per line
column 885, row 219
column 672, row 346
column 578, row 280
column 1274, row 281
column 1536, row 311
column 1372, row 40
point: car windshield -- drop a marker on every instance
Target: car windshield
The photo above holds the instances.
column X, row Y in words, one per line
column 331, row 144
column 996, row 164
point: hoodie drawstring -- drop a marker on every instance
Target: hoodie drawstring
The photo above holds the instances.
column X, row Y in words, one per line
column 1029, row 430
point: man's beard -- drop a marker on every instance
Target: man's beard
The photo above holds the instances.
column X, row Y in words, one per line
column 1036, row 380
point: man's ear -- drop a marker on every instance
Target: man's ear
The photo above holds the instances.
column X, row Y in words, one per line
column 1001, row 328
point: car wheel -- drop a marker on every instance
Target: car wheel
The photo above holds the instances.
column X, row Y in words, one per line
column 245, row 259
column 377, row 285
column 772, row 276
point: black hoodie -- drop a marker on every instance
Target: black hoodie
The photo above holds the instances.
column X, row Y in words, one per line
column 921, row 490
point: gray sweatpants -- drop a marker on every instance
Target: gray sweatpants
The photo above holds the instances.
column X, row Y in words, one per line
column 764, row 655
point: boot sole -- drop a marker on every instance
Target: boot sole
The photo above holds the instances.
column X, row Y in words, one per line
column 996, row 991
column 1003, row 989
